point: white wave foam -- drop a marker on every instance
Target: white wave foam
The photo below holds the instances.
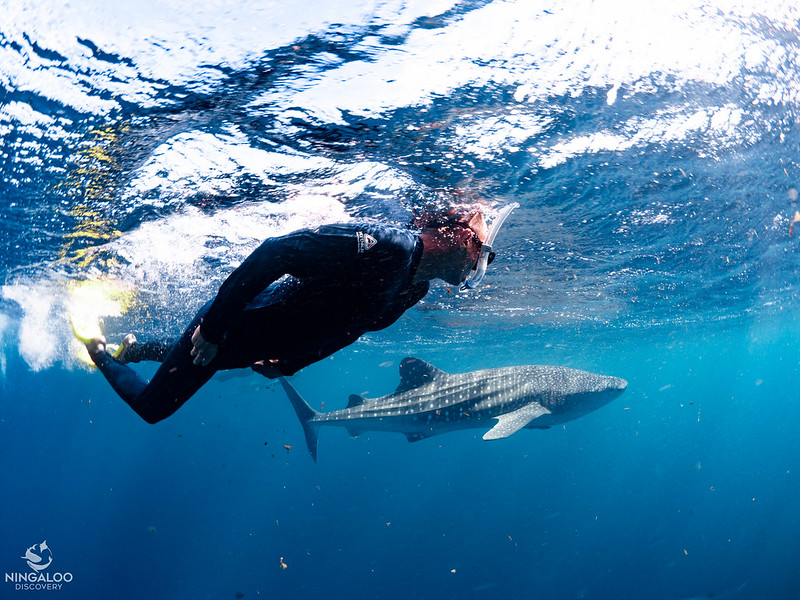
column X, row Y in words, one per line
column 25, row 118
column 553, row 50
column 546, row 50
column 37, row 344
column 43, row 334
column 489, row 136
column 176, row 43
column 22, row 129
column 5, row 321
column 719, row 126
column 197, row 162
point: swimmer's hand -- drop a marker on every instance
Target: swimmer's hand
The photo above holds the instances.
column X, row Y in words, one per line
column 267, row 368
column 203, row 351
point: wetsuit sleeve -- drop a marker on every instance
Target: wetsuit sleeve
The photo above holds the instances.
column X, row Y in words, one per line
column 304, row 253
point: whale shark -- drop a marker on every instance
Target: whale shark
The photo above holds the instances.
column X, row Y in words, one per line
column 430, row 401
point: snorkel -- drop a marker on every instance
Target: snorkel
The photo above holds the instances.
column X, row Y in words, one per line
column 475, row 279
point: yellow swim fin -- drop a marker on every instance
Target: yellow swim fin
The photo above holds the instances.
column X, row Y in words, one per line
column 83, row 356
column 84, row 332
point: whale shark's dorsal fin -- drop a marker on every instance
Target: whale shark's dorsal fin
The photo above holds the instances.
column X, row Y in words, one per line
column 355, row 400
column 415, row 372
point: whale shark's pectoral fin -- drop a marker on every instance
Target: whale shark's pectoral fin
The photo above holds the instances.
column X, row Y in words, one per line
column 512, row 422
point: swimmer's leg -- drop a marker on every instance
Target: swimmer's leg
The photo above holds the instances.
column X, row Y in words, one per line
column 133, row 351
column 173, row 384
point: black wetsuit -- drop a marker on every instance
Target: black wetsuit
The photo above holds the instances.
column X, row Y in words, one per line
column 341, row 281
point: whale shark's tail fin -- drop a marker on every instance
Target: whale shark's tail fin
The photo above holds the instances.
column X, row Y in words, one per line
column 306, row 415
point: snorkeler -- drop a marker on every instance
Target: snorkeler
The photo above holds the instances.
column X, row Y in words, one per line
column 301, row 297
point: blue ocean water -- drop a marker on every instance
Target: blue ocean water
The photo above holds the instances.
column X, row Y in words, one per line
column 653, row 150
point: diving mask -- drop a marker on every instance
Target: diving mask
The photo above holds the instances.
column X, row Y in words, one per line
column 476, row 277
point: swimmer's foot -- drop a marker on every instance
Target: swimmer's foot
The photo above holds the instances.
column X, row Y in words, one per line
column 90, row 336
column 120, row 352
column 95, row 346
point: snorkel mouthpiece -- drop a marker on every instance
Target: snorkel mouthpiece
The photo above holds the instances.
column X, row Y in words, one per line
column 474, row 280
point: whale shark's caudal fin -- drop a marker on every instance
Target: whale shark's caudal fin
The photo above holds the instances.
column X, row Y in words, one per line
column 306, row 415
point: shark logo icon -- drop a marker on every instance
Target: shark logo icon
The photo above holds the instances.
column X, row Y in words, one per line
column 38, row 556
